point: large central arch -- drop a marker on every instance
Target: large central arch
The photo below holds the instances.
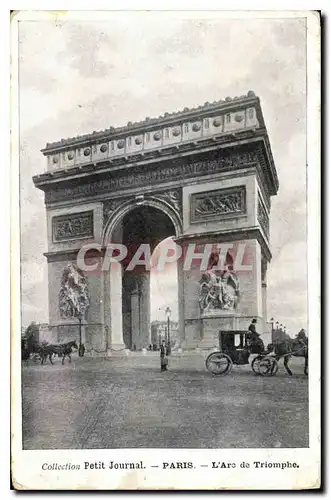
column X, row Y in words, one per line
column 137, row 222
column 140, row 201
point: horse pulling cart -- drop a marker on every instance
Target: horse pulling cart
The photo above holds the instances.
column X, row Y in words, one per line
column 235, row 348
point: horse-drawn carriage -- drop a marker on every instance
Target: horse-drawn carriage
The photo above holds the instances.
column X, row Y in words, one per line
column 235, row 348
column 31, row 348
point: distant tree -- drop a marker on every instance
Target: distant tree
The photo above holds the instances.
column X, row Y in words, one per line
column 302, row 334
column 32, row 331
column 29, row 339
column 74, row 297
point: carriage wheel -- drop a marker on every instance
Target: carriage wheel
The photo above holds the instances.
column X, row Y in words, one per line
column 268, row 367
column 255, row 365
column 219, row 363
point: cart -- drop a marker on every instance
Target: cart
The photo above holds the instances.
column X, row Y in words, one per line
column 235, row 348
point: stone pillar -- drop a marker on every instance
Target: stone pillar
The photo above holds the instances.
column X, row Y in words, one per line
column 135, row 319
column 213, row 322
column 181, row 309
column 116, row 307
column 126, row 298
column 140, row 312
column 107, row 311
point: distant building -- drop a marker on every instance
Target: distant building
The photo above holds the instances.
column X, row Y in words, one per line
column 40, row 331
column 159, row 332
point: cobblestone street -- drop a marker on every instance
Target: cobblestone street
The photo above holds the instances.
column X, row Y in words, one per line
column 126, row 402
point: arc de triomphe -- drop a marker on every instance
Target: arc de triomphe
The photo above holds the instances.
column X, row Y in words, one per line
column 204, row 176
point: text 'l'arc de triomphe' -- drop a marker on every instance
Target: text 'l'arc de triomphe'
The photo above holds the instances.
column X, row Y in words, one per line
column 204, row 176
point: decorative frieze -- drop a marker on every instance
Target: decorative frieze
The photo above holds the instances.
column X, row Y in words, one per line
column 200, row 130
column 72, row 226
column 158, row 174
column 211, row 205
column 263, row 218
column 172, row 197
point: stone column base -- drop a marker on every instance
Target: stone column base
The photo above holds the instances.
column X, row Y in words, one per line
column 212, row 323
column 209, row 343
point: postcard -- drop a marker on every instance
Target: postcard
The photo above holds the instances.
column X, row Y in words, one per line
column 165, row 178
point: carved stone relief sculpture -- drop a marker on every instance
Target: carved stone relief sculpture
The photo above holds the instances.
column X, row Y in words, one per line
column 173, row 198
column 109, row 206
column 223, row 202
column 71, row 226
column 219, row 290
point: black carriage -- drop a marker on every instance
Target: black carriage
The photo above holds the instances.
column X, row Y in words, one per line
column 235, row 348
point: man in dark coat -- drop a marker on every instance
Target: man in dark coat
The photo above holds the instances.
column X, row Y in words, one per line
column 252, row 328
column 256, row 342
column 163, row 356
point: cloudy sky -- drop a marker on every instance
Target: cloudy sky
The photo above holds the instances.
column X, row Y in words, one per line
column 76, row 77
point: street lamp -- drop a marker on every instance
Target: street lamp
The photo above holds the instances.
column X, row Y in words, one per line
column 168, row 314
column 271, row 323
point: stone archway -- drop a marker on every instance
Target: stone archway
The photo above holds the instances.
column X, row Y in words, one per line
column 168, row 202
column 127, row 291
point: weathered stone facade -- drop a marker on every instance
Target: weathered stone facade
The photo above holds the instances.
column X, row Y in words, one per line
column 203, row 176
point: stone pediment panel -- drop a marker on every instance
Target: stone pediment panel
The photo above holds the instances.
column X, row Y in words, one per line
column 210, row 205
column 154, row 175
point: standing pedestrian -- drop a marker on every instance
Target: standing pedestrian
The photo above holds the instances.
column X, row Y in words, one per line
column 163, row 356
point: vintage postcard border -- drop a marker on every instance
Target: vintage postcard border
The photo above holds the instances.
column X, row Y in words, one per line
column 26, row 465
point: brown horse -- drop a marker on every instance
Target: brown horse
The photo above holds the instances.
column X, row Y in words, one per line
column 297, row 347
column 61, row 350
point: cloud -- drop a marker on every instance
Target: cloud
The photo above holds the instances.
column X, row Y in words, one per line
column 287, row 286
column 85, row 44
column 290, row 257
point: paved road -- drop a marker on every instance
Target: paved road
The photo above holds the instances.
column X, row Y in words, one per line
column 127, row 402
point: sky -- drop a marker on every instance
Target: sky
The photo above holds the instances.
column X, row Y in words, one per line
column 77, row 77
